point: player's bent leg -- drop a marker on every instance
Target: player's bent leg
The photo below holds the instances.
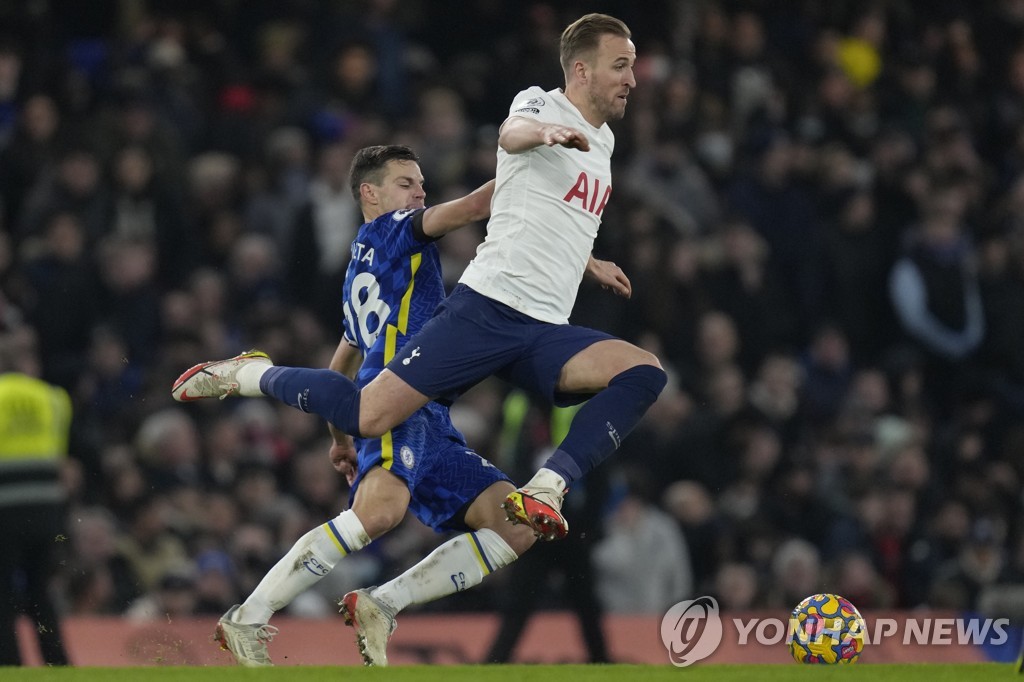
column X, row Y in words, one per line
column 381, row 501
column 386, row 402
column 465, row 560
column 594, row 367
column 488, row 511
column 458, row 564
column 369, row 412
column 628, row 380
column 372, row 411
column 243, row 630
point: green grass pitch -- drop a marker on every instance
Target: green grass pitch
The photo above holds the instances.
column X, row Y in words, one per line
column 527, row 673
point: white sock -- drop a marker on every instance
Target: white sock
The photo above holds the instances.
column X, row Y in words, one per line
column 546, row 478
column 309, row 560
column 457, row 565
column 248, row 377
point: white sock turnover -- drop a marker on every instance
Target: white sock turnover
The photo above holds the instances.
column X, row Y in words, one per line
column 457, row 565
column 310, row 559
column 248, row 377
column 546, row 478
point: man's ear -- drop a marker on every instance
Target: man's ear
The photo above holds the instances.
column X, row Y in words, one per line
column 581, row 70
column 368, row 193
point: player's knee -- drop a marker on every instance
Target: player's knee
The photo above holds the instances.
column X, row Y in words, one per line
column 648, row 376
column 521, row 538
column 647, row 358
column 377, row 419
column 633, row 358
column 518, row 537
column 658, row 376
column 378, row 520
column 377, row 514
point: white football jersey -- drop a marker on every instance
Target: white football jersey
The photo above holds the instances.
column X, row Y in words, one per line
column 545, row 214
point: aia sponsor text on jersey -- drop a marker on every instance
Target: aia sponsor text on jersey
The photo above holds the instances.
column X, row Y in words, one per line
column 586, row 191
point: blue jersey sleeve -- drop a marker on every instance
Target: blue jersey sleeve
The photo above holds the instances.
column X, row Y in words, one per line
column 399, row 232
column 388, row 254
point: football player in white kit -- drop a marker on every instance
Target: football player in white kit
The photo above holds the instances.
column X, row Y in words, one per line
column 509, row 314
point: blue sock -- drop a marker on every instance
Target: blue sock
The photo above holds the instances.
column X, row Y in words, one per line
column 598, row 428
column 325, row 392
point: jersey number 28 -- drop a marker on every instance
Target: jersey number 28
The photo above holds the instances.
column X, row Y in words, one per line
column 365, row 312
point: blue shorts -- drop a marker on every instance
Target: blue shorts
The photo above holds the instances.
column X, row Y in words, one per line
column 470, row 337
column 443, row 474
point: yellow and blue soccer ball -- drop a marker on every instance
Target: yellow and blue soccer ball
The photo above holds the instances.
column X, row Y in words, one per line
column 826, row 628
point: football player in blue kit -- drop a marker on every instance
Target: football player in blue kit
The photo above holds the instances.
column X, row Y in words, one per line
column 392, row 287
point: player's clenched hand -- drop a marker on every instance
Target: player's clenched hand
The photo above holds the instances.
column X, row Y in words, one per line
column 343, row 456
column 567, row 137
column 610, row 276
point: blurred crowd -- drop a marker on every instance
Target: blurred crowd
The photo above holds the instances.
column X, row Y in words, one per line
column 820, row 206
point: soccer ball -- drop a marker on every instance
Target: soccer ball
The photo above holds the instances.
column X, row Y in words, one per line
column 826, row 628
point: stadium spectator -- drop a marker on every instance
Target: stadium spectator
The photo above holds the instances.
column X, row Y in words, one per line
column 737, row 587
column 99, row 578
column 643, row 563
column 59, row 288
column 795, row 573
column 936, row 294
column 174, row 596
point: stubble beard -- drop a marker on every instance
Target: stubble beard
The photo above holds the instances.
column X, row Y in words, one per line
column 608, row 111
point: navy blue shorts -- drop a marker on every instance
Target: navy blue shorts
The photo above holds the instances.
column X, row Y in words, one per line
column 443, row 474
column 470, row 337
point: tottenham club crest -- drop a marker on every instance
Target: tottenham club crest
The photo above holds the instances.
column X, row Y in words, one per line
column 408, row 459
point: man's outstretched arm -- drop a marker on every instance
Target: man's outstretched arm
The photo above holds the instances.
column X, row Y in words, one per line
column 519, row 134
column 451, row 215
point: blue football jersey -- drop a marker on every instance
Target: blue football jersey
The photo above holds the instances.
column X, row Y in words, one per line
column 392, row 287
column 388, row 266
